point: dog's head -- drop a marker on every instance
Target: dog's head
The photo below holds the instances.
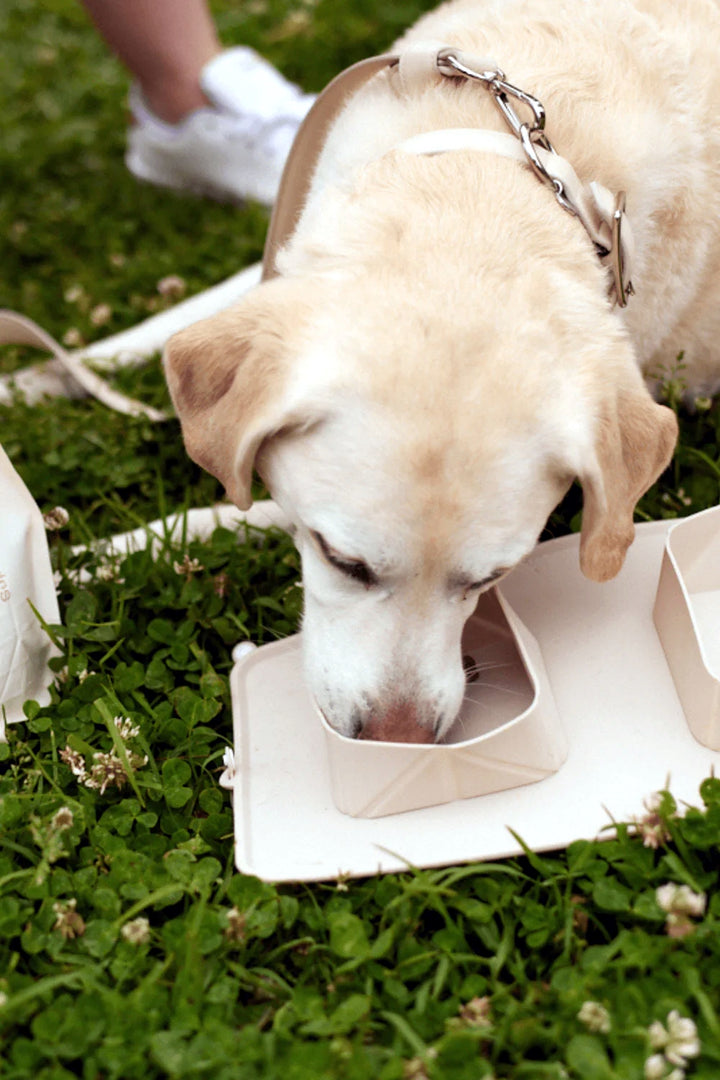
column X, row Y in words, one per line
column 418, row 448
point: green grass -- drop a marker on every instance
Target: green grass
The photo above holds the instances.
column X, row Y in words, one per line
column 454, row 974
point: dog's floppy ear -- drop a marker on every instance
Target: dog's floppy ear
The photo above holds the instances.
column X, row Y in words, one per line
column 635, row 439
column 228, row 377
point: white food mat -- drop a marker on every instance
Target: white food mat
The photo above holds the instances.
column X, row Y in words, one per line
column 627, row 733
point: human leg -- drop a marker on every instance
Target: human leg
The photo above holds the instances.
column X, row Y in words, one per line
column 165, row 44
column 218, row 122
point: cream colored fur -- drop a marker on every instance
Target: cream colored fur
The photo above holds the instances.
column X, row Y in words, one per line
column 439, row 360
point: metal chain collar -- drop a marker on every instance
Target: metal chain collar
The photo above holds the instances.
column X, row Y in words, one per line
column 532, row 135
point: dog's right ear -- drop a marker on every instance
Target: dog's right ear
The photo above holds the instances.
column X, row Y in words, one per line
column 228, row 377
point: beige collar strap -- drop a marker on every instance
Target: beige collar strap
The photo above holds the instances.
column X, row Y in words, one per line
column 601, row 214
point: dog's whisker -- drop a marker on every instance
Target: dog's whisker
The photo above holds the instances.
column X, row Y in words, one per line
column 492, row 686
column 477, row 669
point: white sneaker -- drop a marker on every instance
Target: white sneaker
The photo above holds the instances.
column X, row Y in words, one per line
column 234, row 149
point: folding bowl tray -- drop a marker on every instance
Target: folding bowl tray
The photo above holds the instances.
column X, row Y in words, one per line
column 572, row 667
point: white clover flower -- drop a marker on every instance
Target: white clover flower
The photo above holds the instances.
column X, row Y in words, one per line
column 680, row 900
column 595, row 1017
column 679, row 1041
column 681, row 905
column 235, row 930
column 172, row 286
column 227, row 777
column 655, row 1067
column 126, row 728
column 55, row 519
column 416, row 1068
column 109, row 771
column 477, row 1012
column 653, row 833
column 652, row 827
column 187, row 567
column 101, row 314
column 67, row 920
column 137, row 931
column 74, row 293
column 683, row 1042
column 62, row 819
column 76, row 762
column 109, row 571
column 657, row 1034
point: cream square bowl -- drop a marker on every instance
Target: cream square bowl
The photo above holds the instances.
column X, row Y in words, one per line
column 687, row 619
column 508, row 733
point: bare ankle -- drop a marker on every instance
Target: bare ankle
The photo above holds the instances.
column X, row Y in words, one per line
column 173, row 102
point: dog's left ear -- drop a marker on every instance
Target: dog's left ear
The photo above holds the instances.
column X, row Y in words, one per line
column 634, row 442
column 229, row 377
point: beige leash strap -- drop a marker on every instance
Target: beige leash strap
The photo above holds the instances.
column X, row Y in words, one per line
column 18, row 330
column 303, row 156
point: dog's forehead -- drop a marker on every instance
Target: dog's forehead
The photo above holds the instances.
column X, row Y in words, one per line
column 382, row 485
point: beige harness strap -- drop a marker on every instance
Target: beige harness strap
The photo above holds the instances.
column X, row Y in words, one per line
column 300, row 165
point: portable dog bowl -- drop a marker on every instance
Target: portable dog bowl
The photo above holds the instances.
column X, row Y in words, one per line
column 590, row 651
column 508, row 732
column 687, row 618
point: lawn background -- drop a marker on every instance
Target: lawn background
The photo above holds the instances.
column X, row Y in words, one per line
column 468, row 972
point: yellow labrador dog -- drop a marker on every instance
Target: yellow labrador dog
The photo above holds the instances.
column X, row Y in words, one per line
column 442, row 346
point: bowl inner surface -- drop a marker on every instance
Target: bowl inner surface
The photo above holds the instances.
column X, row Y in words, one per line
column 695, row 545
column 503, row 689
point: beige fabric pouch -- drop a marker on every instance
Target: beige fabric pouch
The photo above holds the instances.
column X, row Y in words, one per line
column 26, row 582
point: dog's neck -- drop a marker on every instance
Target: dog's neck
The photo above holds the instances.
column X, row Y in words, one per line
column 600, row 214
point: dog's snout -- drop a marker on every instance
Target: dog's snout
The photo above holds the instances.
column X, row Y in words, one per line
column 399, row 723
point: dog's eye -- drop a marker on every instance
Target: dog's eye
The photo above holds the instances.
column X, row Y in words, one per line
column 353, row 568
column 483, row 584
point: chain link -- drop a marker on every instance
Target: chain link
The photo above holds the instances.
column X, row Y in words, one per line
column 531, row 135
